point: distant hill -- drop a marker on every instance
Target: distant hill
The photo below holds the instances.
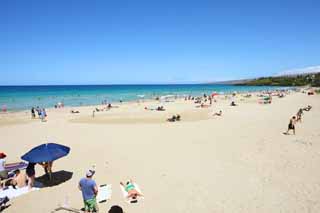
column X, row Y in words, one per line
column 304, row 79
column 301, row 71
column 295, row 77
column 232, row 82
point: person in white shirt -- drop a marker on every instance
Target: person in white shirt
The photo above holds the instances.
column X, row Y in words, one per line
column 3, row 172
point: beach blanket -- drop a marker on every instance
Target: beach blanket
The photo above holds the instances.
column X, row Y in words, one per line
column 104, row 193
column 125, row 194
column 10, row 192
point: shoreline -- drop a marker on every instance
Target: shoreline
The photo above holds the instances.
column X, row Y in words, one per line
column 178, row 96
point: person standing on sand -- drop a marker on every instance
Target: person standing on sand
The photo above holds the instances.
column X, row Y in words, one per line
column 33, row 113
column 299, row 115
column 3, row 171
column 31, row 173
column 89, row 190
column 291, row 125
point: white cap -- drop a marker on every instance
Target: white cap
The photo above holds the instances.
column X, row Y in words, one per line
column 90, row 173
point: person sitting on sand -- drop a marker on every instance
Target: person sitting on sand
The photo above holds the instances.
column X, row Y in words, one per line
column 160, row 108
column 218, row 113
column 307, row 108
column 174, row 118
column 233, row 104
column 131, row 190
column 291, row 125
column 19, row 180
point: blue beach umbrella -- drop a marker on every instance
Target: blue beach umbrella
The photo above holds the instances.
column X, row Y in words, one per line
column 46, row 152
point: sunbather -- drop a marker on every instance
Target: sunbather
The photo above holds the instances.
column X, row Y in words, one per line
column 73, row 111
column 131, row 190
column 218, row 113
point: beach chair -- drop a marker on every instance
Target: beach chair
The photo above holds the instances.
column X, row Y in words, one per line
column 14, row 166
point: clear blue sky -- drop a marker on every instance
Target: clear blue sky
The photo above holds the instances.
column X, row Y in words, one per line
column 116, row 41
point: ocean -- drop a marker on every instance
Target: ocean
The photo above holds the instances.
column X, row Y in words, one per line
column 15, row 98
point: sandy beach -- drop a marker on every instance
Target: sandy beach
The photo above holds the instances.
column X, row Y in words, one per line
column 239, row 162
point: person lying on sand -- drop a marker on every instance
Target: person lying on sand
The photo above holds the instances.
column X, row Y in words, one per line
column 174, row 118
column 202, row 105
column 218, row 113
column 291, row 126
column 307, row 108
column 130, row 188
column 73, row 111
column 99, row 110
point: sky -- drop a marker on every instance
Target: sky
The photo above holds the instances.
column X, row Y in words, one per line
column 144, row 42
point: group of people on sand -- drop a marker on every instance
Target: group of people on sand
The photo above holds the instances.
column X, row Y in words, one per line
column 90, row 190
column 158, row 108
column 41, row 113
column 108, row 107
column 298, row 117
column 21, row 179
column 174, row 118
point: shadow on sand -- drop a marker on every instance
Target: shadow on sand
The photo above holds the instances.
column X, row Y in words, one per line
column 57, row 178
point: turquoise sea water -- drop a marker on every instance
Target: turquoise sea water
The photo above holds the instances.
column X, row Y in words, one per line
column 24, row 97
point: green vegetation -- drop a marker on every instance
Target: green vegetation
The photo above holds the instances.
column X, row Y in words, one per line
column 297, row 80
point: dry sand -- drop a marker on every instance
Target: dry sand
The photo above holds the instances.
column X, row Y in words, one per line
column 240, row 162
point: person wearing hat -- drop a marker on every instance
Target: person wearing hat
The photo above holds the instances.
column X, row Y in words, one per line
column 89, row 190
column 3, row 171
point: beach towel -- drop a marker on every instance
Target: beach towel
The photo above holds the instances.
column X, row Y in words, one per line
column 125, row 194
column 10, row 192
column 104, row 193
